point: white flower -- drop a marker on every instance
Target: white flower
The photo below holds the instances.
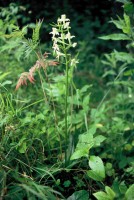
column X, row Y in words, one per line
column 59, row 54
column 69, row 37
column 74, row 44
column 55, row 40
column 63, row 19
column 66, row 25
column 54, row 32
column 74, row 62
column 55, row 47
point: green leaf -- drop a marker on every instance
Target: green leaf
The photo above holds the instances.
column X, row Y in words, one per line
column 123, row 56
column 123, row 1
column 83, row 152
column 86, row 140
column 22, row 148
column 110, row 192
column 79, row 195
column 97, row 166
column 129, row 8
column 118, row 23
column 36, row 30
column 67, row 183
column 3, row 75
column 92, row 130
column 130, row 193
column 85, row 143
column 101, row 196
column 115, row 37
column 129, row 72
column 98, row 140
column 109, row 195
column 93, row 175
column 127, row 27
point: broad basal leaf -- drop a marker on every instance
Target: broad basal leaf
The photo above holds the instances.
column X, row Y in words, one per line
column 97, row 167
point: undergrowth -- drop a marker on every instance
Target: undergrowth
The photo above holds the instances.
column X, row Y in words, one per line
column 55, row 141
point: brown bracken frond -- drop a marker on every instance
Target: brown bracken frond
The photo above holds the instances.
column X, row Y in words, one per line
column 42, row 63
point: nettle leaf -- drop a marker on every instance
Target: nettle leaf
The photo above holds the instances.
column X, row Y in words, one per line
column 130, row 193
column 98, row 169
column 115, row 36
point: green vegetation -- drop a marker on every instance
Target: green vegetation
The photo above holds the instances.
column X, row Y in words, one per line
column 66, row 117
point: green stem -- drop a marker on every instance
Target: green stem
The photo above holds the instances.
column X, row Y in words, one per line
column 66, row 110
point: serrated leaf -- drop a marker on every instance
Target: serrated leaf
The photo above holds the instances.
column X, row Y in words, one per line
column 115, row 37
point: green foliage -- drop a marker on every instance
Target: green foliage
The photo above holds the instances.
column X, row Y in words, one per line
column 97, row 171
column 108, row 195
column 130, row 193
column 83, row 195
column 58, row 136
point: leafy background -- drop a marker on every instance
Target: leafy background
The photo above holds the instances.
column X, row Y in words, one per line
column 31, row 161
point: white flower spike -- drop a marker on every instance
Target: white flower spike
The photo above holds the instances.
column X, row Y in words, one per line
column 61, row 38
column 54, row 32
column 74, row 62
column 63, row 19
column 69, row 37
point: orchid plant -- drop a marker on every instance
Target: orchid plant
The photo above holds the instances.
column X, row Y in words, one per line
column 62, row 43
